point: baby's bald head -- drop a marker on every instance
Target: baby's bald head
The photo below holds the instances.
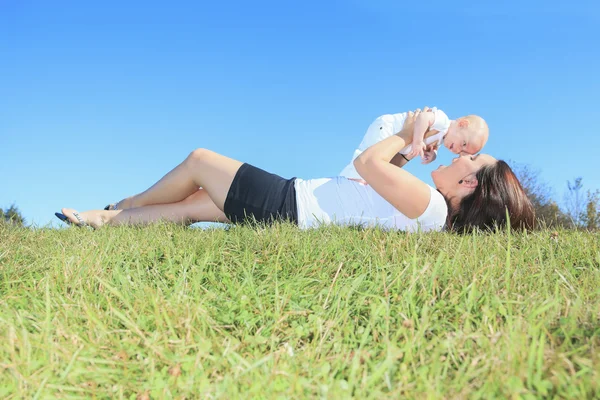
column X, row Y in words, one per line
column 476, row 132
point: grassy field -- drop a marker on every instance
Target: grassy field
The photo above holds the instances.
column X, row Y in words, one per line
column 168, row 312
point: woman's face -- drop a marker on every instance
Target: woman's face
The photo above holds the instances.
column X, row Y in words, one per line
column 463, row 168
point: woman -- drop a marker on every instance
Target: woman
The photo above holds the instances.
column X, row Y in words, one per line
column 473, row 192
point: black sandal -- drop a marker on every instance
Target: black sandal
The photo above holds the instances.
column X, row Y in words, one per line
column 66, row 219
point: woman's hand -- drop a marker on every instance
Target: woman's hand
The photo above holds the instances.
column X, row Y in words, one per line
column 425, row 109
column 409, row 123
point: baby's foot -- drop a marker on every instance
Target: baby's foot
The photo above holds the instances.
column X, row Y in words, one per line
column 94, row 218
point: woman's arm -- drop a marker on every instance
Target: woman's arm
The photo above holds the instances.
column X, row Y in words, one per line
column 399, row 161
column 404, row 191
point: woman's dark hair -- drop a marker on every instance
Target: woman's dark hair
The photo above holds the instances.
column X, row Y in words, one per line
column 498, row 194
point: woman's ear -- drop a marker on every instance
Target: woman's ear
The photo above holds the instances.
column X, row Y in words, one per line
column 470, row 182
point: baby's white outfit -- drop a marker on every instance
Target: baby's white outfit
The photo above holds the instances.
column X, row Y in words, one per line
column 390, row 124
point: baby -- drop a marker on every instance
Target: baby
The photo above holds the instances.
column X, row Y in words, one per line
column 465, row 135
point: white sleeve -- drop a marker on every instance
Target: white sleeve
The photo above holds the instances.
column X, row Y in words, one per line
column 349, row 171
column 442, row 122
column 434, row 217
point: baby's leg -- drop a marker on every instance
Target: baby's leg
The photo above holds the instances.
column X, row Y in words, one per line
column 379, row 129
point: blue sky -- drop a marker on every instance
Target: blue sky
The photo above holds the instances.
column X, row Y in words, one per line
column 97, row 101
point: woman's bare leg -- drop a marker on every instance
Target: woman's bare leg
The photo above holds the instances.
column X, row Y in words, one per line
column 202, row 168
column 197, row 207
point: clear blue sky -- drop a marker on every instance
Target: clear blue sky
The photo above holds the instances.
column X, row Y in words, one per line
column 97, row 101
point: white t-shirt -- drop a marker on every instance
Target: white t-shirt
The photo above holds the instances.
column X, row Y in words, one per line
column 342, row 201
column 390, row 124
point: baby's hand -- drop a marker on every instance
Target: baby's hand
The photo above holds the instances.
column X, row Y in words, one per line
column 418, row 148
column 430, row 155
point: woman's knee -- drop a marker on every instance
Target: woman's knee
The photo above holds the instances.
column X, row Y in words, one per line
column 194, row 198
column 199, row 154
column 200, row 207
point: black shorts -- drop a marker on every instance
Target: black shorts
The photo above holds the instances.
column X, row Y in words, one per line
column 257, row 195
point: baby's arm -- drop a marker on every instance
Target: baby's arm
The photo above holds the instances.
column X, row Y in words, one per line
column 422, row 124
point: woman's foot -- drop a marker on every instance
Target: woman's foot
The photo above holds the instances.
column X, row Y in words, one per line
column 94, row 218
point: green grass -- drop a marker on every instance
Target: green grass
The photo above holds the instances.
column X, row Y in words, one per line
column 281, row 313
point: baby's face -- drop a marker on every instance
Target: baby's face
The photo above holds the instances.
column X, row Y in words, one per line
column 464, row 141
